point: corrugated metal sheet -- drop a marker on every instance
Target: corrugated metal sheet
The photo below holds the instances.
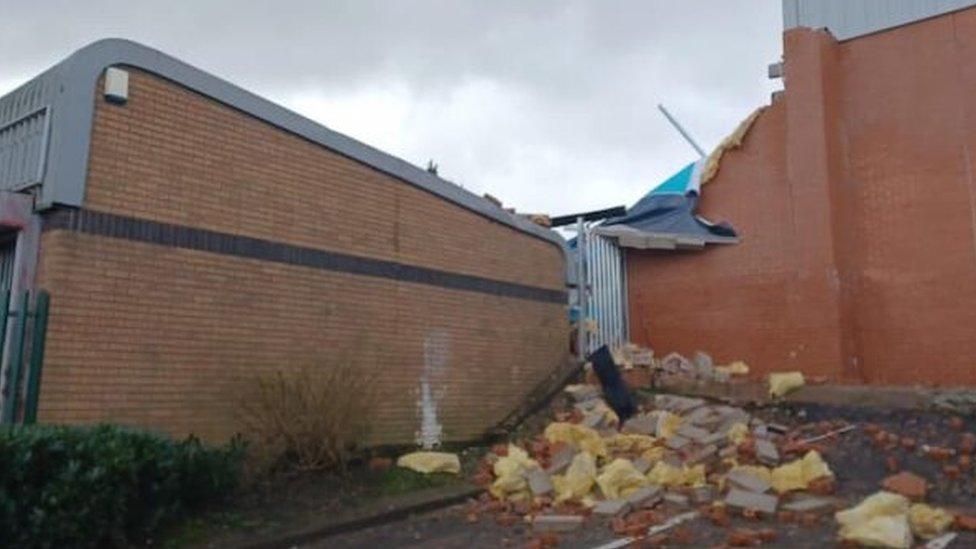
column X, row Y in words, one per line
column 847, row 19
column 608, row 297
column 23, row 149
column 25, row 121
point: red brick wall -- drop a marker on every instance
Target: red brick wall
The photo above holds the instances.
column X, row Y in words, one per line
column 854, row 196
column 724, row 298
column 165, row 338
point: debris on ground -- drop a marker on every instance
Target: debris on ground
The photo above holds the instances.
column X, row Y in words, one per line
column 431, row 462
column 881, row 520
column 783, row 383
column 761, row 474
column 672, row 455
column 928, row 522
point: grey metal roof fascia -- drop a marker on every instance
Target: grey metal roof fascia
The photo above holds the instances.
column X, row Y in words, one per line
column 849, row 19
column 74, row 107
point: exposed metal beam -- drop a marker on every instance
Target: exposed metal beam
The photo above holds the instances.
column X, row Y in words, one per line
column 681, row 130
column 594, row 215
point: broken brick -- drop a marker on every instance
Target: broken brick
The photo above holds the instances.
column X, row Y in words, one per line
column 956, row 423
column 908, row 443
column 967, row 443
column 752, row 514
column 743, row 537
column 683, row 535
column 507, row 519
column 380, row 463
column 823, row 486
column 966, row 522
column 523, row 507
column 891, row 464
column 907, row 484
column 939, row 453
column 483, row 477
column 657, row 540
column 809, row 519
column 544, row 541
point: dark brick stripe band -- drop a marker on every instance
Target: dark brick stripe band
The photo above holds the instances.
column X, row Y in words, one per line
column 179, row 236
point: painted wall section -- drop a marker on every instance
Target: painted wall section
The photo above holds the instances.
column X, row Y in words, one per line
column 855, row 197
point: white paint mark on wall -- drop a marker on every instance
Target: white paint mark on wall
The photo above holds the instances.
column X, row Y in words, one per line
column 436, row 358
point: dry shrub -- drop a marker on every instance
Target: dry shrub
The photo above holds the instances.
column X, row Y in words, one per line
column 308, row 419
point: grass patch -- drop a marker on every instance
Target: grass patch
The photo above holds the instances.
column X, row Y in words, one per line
column 397, row 480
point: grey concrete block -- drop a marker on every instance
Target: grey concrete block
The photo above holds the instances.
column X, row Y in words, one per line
column 675, row 498
column 642, row 465
column 746, row 481
column 677, row 404
column 691, row 432
column 677, row 442
column 641, row 424
column 611, row 507
column 704, row 453
column 717, row 438
column 539, row 482
column 751, row 500
column 805, row 504
column 705, row 417
column 702, row 360
column 584, row 393
column 557, row 523
column 766, row 452
column 647, row 496
column 593, row 420
column 561, row 461
column 703, row 494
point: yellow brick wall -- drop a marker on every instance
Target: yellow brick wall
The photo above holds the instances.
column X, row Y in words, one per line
column 171, row 155
column 163, row 337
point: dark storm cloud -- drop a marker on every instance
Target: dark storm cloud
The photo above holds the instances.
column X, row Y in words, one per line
column 548, row 105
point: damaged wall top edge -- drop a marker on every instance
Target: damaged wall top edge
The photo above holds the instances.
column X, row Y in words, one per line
column 847, row 19
column 69, row 88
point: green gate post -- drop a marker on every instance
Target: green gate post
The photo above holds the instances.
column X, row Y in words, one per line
column 36, row 357
column 4, row 315
column 16, row 359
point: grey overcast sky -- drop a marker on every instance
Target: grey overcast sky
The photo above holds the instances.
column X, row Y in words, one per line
column 548, row 105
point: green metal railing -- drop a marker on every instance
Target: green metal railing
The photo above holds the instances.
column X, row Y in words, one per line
column 26, row 321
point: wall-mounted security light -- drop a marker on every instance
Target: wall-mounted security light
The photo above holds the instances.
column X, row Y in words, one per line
column 116, row 85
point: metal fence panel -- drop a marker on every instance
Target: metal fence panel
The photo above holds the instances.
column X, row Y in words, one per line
column 607, row 304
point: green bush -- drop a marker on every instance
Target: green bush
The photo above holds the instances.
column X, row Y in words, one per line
column 105, row 485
